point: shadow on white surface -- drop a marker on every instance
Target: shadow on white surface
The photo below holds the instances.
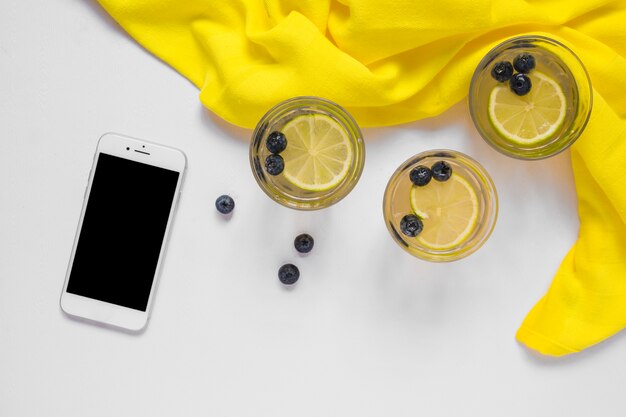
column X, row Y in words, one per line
column 457, row 112
column 594, row 352
column 103, row 326
column 211, row 121
column 104, row 16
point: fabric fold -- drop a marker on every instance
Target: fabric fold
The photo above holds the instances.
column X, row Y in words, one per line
column 396, row 62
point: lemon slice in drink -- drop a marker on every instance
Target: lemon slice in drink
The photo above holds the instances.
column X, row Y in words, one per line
column 449, row 211
column 318, row 153
column 532, row 118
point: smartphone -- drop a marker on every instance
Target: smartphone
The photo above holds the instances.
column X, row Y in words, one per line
column 128, row 210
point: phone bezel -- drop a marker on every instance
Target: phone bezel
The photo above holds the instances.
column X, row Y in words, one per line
column 148, row 153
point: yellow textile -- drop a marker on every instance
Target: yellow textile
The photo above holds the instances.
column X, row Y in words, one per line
column 396, row 61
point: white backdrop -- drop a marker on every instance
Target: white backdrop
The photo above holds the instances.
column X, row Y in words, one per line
column 368, row 330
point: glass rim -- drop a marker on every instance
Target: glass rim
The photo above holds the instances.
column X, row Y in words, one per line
column 333, row 110
column 488, row 58
column 482, row 176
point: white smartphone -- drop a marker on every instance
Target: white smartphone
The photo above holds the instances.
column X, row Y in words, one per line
column 127, row 214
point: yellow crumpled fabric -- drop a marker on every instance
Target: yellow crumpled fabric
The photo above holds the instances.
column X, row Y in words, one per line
column 390, row 62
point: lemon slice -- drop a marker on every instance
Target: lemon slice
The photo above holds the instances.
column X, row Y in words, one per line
column 527, row 120
column 318, row 152
column 449, row 211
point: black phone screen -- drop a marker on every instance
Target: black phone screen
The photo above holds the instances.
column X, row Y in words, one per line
column 123, row 231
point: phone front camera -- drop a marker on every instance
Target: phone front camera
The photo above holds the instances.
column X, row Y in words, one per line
column 127, row 148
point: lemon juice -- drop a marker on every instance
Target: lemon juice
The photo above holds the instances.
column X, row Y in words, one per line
column 440, row 205
column 307, row 153
column 530, row 97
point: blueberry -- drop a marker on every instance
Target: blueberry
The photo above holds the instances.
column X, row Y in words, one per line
column 520, row 84
column 304, row 243
column 524, row 63
column 502, row 71
column 288, row 274
column 411, row 225
column 224, row 204
column 420, row 175
column 442, row 171
column 274, row 164
column 276, row 142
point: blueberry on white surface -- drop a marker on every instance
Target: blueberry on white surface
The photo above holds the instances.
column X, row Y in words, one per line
column 288, row 274
column 224, row 204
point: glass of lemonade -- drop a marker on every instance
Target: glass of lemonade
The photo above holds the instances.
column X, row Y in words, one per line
column 307, row 153
column 440, row 205
column 530, row 97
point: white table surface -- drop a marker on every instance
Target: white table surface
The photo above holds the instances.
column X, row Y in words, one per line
column 368, row 330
